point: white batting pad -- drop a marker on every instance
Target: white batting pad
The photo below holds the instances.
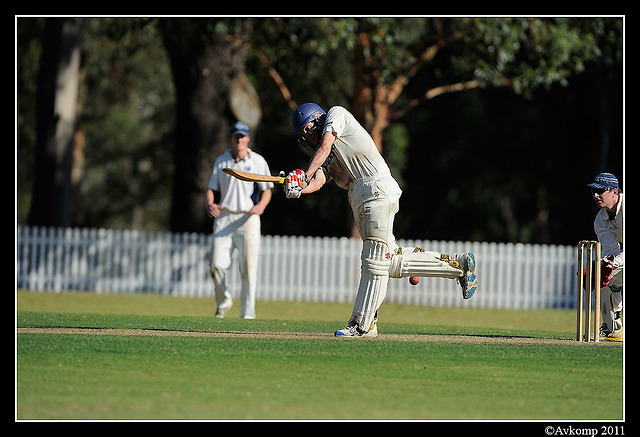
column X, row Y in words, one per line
column 411, row 261
column 373, row 282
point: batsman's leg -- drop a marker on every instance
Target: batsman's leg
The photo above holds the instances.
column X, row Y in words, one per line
column 415, row 261
column 374, row 214
column 372, row 290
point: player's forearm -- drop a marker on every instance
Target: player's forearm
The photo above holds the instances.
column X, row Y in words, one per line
column 210, row 197
column 321, row 154
column 609, row 241
column 315, row 183
column 212, row 209
column 260, row 207
column 265, row 198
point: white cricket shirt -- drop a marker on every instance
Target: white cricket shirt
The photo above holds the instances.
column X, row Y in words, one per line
column 236, row 195
column 354, row 155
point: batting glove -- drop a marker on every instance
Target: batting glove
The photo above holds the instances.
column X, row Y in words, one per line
column 294, row 183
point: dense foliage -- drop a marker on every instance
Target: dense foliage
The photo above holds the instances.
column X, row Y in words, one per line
column 539, row 113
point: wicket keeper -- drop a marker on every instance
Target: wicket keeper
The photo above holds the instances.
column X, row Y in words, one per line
column 608, row 228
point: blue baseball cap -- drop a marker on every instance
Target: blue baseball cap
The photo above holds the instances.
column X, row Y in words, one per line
column 604, row 181
column 239, row 128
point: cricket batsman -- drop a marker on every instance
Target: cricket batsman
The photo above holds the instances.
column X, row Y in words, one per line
column 343, row 151
column 608, row 226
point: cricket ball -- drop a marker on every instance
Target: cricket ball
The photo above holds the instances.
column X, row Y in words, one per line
column 414, row 280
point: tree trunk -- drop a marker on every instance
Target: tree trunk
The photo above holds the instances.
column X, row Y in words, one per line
column 204, row 65
column 55, row 127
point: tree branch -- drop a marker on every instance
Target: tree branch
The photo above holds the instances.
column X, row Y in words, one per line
column 425, row 55
column 435, row 92
column 284, row 90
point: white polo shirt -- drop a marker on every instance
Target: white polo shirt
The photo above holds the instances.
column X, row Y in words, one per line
column 236, row 195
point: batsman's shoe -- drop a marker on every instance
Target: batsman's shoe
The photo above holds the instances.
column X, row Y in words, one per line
column 469, row 280
column 353, row 330
column 221, row 312
column 612, row 336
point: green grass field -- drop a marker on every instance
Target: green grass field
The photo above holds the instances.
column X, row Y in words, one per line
column 83, row 356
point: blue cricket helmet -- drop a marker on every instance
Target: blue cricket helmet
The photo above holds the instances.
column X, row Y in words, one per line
column 304, row 114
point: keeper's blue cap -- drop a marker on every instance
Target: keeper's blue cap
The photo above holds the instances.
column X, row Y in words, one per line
column 239, row 128
column 604, row 181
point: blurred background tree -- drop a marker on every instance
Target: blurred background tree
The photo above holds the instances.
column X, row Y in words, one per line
column 492, row 126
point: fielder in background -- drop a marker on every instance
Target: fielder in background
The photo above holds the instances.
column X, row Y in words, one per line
column 236, row 207
column 343, row 151
column 608, row 228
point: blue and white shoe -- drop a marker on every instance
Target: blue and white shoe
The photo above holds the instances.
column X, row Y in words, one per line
column 353, row 330
column 469, row 280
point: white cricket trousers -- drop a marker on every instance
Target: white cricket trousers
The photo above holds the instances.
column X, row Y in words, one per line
column 241, row 232
column 375, row 202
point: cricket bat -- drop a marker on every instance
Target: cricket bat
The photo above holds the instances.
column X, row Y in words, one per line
column 253, row 177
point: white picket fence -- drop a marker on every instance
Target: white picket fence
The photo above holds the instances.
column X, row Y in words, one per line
column 511, row 276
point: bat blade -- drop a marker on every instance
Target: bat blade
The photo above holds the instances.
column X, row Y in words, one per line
column 253, row 177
